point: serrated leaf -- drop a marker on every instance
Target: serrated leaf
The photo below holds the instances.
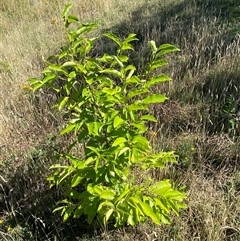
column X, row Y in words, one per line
column 155, row 98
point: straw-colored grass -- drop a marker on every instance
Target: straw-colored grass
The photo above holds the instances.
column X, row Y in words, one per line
column 200, row 121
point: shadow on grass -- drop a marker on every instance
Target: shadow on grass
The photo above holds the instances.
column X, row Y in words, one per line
column 203, row 31
column 26, row 201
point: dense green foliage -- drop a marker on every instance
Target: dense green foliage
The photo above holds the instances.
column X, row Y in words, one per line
column 107, row 105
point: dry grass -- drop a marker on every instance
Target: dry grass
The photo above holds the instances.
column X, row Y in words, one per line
column 200, row 121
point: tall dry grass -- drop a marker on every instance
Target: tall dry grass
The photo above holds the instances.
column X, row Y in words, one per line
column 200, row 121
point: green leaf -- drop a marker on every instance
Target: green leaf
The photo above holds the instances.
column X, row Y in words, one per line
column 105, row 204
column 90, row 127
column 57, row 68
column 118, row 61
column 85, row 28
column 107, row 195
column 66, row 10
column 148, row 118
column 33, row 81
column 68, row 212
column 141, row 144
column 141, row 127
column 91, row 209
column 149, row 212
column 76, row 180
column 69, row 63
column 114, row 38
column 63, row 103
column 165, row 49
column 162, row 204
column 67, row 129
column 137, row 106
column 131, row 37
column 156, row 80
column 71, row 19
column 160, row 188
column 112, row 72
column 136, row 92
column 123, row 58
column 126, row 46
column 78, row 212
column 117, row 122
column 140, row 139
column 132, row 80
column 123, row 151
column 119, row 141
column 130, row 69
column 59, row 208
column 72, row 194
column 157, row 64
column 94, row 149
column 49, row 78
column 153, row 46
column 155, row 98
column 107, row 216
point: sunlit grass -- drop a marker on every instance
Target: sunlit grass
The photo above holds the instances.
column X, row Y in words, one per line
column 196, row 121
